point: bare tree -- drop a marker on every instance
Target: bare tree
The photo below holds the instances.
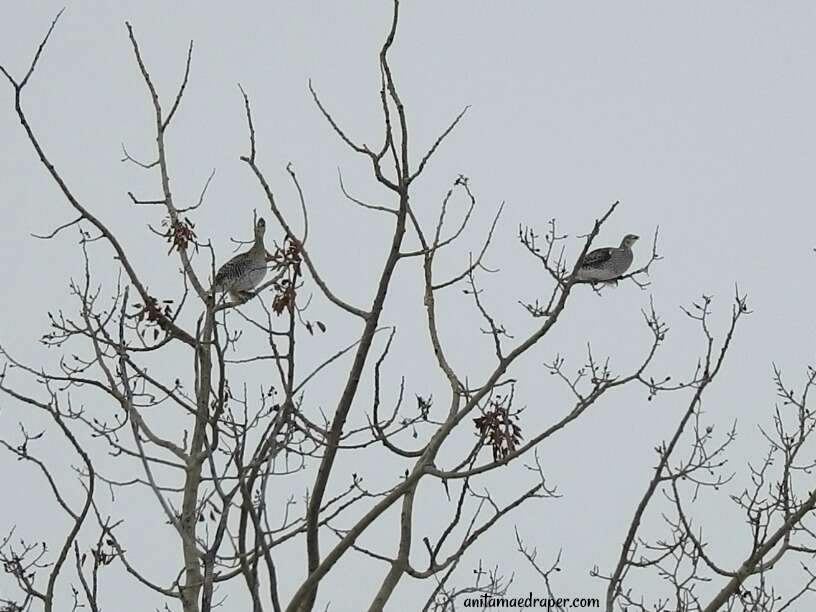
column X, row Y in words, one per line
column 216, row 480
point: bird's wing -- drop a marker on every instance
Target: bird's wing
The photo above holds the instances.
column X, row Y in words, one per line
column 598, row 257
column 234, row 268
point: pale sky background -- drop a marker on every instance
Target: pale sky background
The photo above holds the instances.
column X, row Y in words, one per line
column 698, row 116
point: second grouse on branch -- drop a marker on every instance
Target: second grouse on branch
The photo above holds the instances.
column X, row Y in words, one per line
column 608, row 263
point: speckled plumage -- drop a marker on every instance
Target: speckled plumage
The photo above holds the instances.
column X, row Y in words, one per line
column 608, row 263
column 246, row 270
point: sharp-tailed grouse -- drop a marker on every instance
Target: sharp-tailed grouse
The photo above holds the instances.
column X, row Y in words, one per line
column 246, row 270
column 608, row 263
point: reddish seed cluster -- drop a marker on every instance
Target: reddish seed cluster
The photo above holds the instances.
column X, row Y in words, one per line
column 154, row 313
column 179, row 233
column 286, row 257
column 498, row 428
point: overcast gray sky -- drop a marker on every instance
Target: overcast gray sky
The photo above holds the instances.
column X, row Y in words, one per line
column 697, row 116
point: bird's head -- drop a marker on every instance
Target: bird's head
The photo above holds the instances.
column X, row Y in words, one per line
column 260, row 229
column 629, row 240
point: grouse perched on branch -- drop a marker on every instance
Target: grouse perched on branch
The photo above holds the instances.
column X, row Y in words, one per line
column 607, row 264
column 245, row 271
